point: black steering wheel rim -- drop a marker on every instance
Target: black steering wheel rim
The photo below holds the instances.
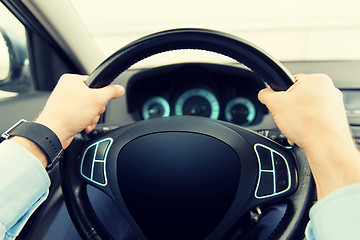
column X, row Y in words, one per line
column 270, row 70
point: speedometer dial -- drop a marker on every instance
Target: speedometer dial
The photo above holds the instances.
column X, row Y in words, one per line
column 155, row 107
column 240, row 111
column 198, row 102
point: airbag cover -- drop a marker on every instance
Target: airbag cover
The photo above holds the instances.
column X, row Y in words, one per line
column 178, row 185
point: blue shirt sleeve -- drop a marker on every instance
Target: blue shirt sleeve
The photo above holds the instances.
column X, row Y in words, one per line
column 336, row 216
column 24, row 185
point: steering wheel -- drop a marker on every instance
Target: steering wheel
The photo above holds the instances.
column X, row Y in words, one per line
column 187, row 177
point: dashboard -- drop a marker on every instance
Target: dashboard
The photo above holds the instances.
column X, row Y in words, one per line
column 223, row 92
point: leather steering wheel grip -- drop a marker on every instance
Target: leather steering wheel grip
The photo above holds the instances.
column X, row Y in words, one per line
column 268, row 68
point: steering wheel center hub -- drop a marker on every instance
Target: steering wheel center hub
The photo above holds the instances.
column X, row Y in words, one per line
column 179, row 182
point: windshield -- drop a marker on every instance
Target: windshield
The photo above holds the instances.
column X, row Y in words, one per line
column 288, row 29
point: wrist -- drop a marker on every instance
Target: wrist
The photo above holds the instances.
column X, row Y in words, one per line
column 335, row 163
column 54, row 126
column 41, row 136
column 33, row 148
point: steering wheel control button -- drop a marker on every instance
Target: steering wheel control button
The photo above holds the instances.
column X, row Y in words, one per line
column 101, row 150
column 93, row 161
column 98, row 173
column 281, row 173
column 266, row 185
column 265, row 159
column 87, row 162
column 271, row 163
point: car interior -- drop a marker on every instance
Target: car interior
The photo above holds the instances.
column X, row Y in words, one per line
column 191, row 96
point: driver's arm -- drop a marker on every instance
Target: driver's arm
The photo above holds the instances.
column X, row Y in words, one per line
column 312, row 115
column 71, row 108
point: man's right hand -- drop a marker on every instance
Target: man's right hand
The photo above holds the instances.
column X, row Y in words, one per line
column 311, row 114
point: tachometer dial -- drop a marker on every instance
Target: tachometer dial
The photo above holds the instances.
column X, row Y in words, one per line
column 155, row 107
column 198, row 102
column 240, row 111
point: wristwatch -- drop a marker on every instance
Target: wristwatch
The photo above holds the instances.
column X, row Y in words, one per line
column 41, row 135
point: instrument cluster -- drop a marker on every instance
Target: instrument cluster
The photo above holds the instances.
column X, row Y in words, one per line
column 222, row 92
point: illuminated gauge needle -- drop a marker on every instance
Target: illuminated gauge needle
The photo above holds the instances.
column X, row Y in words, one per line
column 196, row 110
column 153, row 111
column 199, row 102
column 155, row 107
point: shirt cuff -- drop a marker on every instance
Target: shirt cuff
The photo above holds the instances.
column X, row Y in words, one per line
column 24, row 184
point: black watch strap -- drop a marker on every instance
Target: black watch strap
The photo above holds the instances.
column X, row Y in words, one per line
column 41, row 135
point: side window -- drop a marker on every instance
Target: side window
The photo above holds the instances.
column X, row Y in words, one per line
column 15, row 74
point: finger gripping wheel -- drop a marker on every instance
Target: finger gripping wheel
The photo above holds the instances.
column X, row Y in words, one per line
column 127, row 173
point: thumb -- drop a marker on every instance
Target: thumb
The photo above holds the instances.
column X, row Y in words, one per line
column 265, row 95
column 273, row 100
column 111, row 91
